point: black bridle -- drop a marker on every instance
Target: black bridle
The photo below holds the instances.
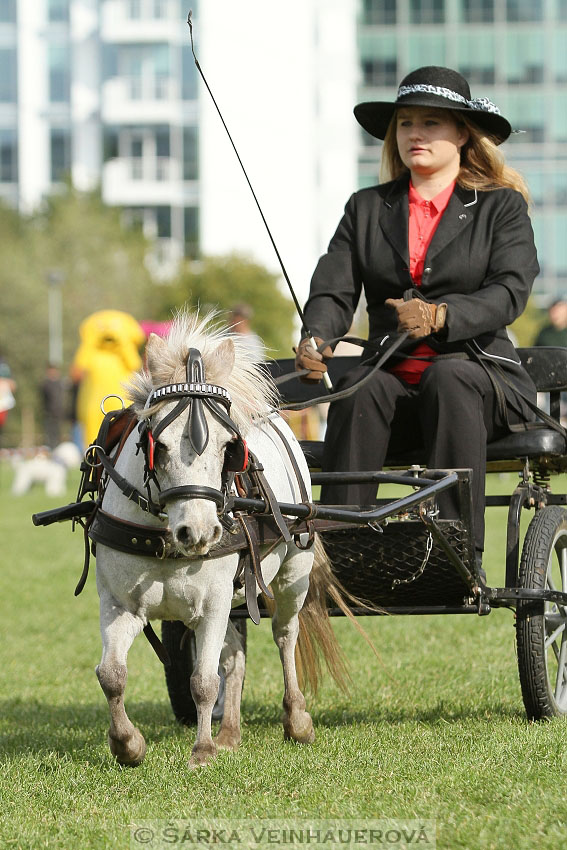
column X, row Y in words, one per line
column 196, row 394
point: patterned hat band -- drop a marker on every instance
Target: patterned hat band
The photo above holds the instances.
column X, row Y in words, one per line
column 481, row 103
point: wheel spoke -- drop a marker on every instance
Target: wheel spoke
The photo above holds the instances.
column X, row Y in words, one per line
column 564, row 568
column 551, row 584
column 555, row 634
column 559, row 682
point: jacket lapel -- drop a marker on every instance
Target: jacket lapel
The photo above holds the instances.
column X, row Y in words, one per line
column 459, row 214
column 394, row 214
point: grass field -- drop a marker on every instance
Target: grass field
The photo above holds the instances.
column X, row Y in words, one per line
column 436, row 732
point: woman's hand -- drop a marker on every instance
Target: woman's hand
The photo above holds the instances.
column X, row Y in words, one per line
column 419, row 318
column 307, row 357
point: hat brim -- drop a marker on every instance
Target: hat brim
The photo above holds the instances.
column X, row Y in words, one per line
column 375, row 116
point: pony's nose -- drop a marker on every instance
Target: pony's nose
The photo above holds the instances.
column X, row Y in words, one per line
column 190, row 538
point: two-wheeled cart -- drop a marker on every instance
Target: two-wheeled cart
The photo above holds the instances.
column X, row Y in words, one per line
column 400, row 556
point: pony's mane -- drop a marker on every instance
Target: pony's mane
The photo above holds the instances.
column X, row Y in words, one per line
column 251, row 388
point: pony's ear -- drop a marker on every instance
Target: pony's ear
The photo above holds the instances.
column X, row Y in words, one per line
column 155, row 350
column 221, row 361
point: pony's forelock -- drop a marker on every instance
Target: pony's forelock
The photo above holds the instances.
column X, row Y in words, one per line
column 250, row 386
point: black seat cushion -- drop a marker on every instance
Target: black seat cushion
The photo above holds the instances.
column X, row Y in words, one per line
column 533, row 443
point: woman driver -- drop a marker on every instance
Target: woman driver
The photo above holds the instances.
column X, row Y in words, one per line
column 449, row 226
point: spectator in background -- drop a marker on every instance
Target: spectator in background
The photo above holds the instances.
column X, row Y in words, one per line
column 239, row 322
column 53, row 404
column 555, row 331
column 7, row 389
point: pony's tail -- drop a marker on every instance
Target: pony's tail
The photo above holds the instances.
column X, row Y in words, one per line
column 317, row 641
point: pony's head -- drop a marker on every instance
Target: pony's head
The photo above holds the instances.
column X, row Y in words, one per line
column 197, row 399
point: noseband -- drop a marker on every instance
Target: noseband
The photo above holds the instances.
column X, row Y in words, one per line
column 195, row 394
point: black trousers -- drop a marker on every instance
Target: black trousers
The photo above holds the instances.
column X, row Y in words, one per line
column 452, row 413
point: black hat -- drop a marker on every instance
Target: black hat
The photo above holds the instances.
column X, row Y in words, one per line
column 438, row 87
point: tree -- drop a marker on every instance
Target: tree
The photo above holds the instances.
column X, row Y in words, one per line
column 82, row 245
column 222, row 282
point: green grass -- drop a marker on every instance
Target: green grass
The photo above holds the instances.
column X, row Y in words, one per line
column 436, row 731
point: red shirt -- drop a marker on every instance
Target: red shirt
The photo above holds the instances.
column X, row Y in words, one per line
column 424, row 217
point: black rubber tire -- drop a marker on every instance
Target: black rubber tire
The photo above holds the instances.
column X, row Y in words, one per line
column 543, row 670
column 183, row 658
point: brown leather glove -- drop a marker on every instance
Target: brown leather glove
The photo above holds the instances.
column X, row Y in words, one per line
column 307, row 357
column 417, row 317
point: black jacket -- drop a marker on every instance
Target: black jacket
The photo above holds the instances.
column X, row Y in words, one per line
column 481, row 262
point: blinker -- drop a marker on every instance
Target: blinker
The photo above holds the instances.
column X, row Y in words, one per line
column 197, row 427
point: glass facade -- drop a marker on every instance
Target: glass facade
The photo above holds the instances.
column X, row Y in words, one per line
column 8, row 156
column 511, row 51
column 8, row 11
column 59, row 58
column 8, row 75
column 60, row 149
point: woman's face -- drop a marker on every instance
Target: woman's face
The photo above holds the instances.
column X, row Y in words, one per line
column 429, row 141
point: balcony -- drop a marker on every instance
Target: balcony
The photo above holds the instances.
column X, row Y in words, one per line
column 138, row 21
column 137, row 181
column 153, row 99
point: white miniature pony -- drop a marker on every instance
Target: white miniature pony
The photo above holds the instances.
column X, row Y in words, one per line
column 187, row 458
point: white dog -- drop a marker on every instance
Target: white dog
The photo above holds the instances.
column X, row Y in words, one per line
column 47, row 468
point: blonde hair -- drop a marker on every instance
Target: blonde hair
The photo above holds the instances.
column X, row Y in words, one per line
column 483, row 166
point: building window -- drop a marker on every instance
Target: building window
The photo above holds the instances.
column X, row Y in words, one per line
column 8, row 75
column 188, row 75
column 524, row 57
column 427, row 11
column 8, row 11
column 8, row 156
column 110, row 143
column 378, row 12
column 477, row 11
column 476, row 58
column 58, row 11
column 559, row 58
column 60, row 153
column 190, row 153
column 59, row 74
column 379, row 72
column 134, row 9
column 146, row 69
column 191, row 223
column 527, row 112
column 426, row 49
column 524, row 10
column 163, row 222
column 559, row 118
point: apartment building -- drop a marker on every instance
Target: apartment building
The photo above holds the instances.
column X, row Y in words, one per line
column 107, row 91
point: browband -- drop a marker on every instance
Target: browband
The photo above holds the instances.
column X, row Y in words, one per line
column 189, row 389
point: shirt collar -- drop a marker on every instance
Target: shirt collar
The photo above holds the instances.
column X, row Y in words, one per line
column 436, row 204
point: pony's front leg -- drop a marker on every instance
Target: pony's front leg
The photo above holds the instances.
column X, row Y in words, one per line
column 290, row 589
column 118, row 629
column 232, row 662
column 209, row 637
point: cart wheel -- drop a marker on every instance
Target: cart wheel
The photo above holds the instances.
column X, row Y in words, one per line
column 541, row 626
column 178, row 673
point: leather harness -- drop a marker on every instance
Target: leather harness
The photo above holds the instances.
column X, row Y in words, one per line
column 243, row 532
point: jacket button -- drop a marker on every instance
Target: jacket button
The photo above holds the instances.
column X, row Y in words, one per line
column 427, row 271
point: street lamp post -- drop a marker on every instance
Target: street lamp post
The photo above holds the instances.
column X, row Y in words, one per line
column 55, row 278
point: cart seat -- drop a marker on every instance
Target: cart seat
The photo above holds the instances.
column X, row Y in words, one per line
column 531, row 444
column 546, row 365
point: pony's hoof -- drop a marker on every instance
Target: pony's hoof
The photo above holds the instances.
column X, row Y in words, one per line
column 228, row 739
column 299, row 728
column 131, row 752
column 202, row 755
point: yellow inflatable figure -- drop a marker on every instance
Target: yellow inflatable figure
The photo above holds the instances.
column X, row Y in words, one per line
column 106, row 358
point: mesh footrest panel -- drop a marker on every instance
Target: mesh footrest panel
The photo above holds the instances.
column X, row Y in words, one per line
column 368, row 562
